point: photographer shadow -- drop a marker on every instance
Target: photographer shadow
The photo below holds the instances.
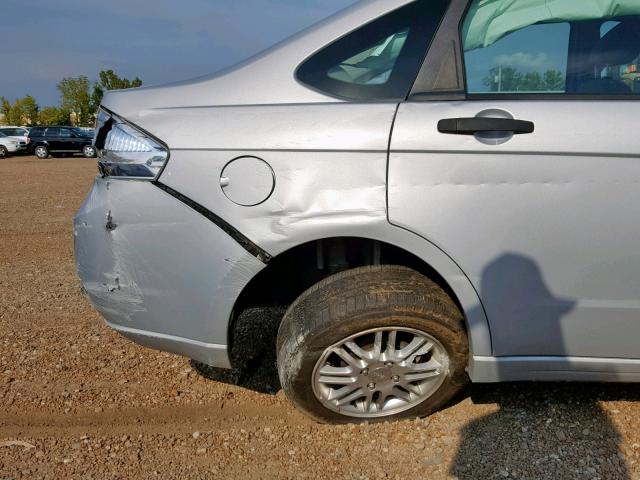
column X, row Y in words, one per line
column 539, row 430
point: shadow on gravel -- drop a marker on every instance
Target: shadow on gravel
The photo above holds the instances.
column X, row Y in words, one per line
column 253, row 353
column 544, row 431
column 541, row 431
column 262, row 379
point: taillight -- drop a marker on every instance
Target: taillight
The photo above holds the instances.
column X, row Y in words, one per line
column 28, row 140
column 127, row 151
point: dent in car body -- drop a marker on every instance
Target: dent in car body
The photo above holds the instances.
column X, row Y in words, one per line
column 330, row 162
column 329, row 158
column 165, row 272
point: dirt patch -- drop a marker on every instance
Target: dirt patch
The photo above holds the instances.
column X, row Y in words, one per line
column 79, row 401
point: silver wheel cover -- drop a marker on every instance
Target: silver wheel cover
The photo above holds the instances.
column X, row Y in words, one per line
column 380, row 372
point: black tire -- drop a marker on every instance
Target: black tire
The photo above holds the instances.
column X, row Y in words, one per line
column 356, row 301
column 3, row 151
column 89, row 151
column 41, row 151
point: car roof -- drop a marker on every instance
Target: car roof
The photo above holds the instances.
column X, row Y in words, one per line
column 52, row 126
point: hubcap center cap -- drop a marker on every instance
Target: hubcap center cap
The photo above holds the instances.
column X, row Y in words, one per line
column 381, row 374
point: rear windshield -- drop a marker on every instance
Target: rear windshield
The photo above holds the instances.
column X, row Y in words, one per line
column 13, row 131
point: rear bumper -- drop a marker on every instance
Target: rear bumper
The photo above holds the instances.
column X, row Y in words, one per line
column 159, row 272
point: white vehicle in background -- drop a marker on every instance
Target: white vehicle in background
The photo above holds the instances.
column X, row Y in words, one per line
column 9, row 145
column 18, row 133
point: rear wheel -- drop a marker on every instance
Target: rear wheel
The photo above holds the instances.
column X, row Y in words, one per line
column 372, row 344
column 41, row 152
column 89, row 151
column 3, row 151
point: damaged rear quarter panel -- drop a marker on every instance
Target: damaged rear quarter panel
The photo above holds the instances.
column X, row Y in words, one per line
column 160, row 267
column 329, row 162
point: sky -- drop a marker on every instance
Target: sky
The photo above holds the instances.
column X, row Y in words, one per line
column 157, row 40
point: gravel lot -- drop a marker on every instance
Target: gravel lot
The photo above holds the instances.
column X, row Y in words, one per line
column 78, row 401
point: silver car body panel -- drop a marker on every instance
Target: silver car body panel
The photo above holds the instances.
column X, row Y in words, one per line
column 539, row 225
column 454, row 202
column 330, row 165
column 158, row 271
column 554, row 369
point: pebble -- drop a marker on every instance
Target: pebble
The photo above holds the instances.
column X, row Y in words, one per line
column 435, row 460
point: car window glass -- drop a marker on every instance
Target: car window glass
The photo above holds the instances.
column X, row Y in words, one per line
column 65, row 132
column 606, row 27
column 539, row 47
column 374, row 65
column 611, row 65
column 380, row 60
column 52, row 132
column 533, row 59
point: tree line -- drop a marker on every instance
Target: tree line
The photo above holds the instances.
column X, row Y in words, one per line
column 79, row 102
column 509, row 79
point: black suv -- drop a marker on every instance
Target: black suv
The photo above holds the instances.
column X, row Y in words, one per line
column 44, row 141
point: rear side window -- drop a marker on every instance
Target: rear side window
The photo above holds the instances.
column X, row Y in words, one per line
column 539, row 47
column 12, row 131
column 36, row 132
column 52, row 132
column 65, row 132
column 380, row 60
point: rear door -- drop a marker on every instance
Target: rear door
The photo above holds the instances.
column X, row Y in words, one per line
column 52, row 136
column 529, row 177
column 68, row 140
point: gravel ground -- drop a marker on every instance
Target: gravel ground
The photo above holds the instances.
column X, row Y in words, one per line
column 78, row 401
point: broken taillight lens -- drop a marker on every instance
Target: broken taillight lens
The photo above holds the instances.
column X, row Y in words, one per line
column 126, row 151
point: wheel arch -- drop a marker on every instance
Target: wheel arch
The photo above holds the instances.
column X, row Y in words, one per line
column 400, row 246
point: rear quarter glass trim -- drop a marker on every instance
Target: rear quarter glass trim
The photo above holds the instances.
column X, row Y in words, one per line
column 242, row 240
column 441, row 77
